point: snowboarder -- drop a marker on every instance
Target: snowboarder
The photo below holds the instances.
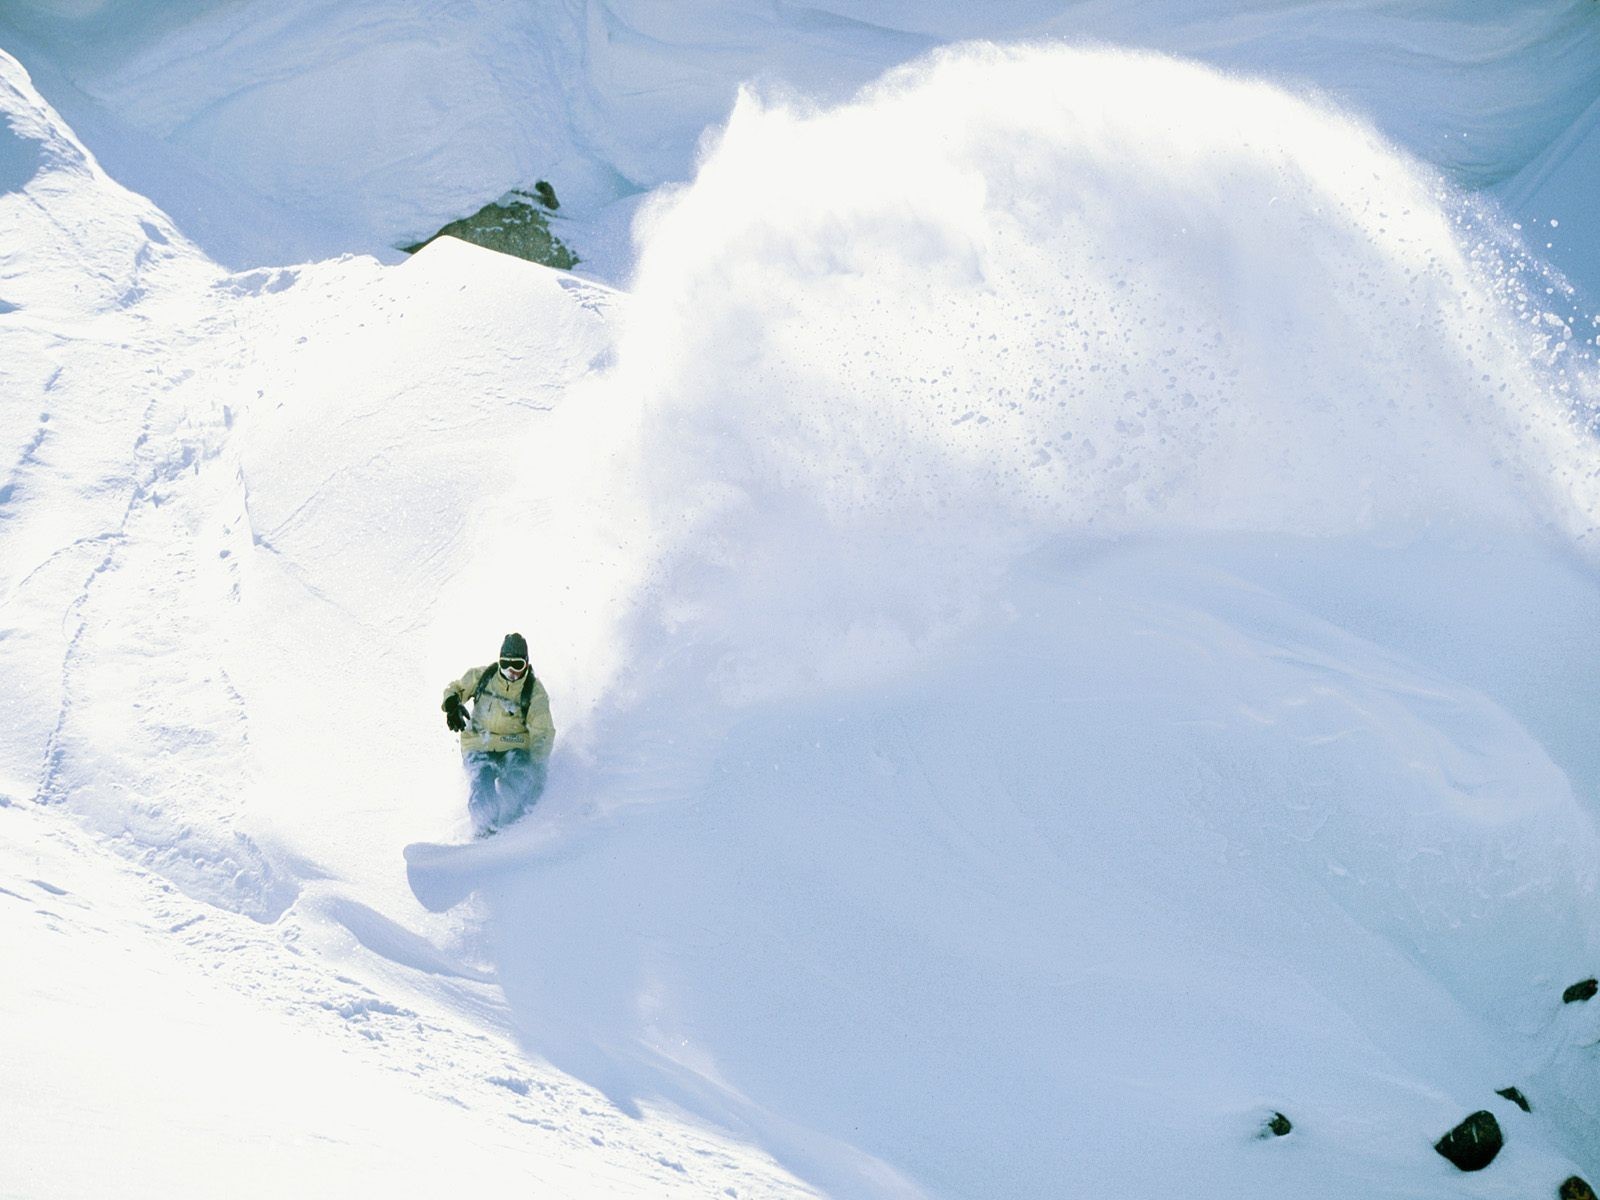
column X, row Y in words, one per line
column 506, row 740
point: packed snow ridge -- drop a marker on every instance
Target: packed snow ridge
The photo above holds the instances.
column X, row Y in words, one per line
column 1067, row 580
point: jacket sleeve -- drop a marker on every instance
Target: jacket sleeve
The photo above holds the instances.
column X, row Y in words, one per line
column 462, row 688
column 541, row 729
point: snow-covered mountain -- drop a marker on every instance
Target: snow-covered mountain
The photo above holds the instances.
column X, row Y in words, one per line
column 1066, row 578
column 276, row 131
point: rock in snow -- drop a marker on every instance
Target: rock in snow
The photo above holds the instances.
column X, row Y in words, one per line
column 1473, row 1144
column 1583, row 990
column 1516, row 1097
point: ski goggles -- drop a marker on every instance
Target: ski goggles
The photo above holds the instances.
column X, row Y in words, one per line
column 513, row 664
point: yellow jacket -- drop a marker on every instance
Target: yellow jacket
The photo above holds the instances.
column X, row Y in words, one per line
column 497, row 722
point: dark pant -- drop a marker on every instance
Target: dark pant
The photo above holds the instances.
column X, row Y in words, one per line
column 505, row 783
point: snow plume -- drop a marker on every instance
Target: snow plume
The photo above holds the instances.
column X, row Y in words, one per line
column 1007, row 856
column 875, row 353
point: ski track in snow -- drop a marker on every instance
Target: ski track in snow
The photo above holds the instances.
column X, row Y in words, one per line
column 169, row 445
column 403, row 1022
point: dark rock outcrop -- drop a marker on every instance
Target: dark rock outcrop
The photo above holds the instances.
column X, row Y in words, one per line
column 515, row 224
column 1582, row 990
column 1472, row 1144
column 1277, row 1125
column 1575, row 1188
column 1516, row 1097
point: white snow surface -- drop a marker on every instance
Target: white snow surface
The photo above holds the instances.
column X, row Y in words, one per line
column 1067, row 582
column 283, row 130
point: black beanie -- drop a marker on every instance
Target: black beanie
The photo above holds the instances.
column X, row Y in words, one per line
column 515, row 646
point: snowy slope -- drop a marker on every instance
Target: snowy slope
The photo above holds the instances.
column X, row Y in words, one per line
column 277, row 132
column 1070, row 639
column 1088, row 901
column 1076, row 857
column 162, row 1048
column 221, row 1003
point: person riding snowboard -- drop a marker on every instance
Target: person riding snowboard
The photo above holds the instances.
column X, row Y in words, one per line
column 506, row 739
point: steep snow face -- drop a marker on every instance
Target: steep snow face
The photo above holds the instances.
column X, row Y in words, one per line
column 1058, row 631
column 72, row 240
column 80, row 373
column 282, row 131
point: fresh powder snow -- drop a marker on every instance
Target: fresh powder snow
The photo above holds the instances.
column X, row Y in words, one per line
column 1061, row 539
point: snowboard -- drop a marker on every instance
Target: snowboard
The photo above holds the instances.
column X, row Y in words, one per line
column 443, row 874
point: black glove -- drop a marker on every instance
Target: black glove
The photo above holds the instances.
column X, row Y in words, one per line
column 455, row 716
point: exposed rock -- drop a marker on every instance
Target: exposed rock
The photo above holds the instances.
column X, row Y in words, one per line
column 1516, row 1097
column 1472, row 1144
column 1576, row 1188
column 516, row 225
column 1277, row 1125
column 546, row 195
column 1583, row 990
